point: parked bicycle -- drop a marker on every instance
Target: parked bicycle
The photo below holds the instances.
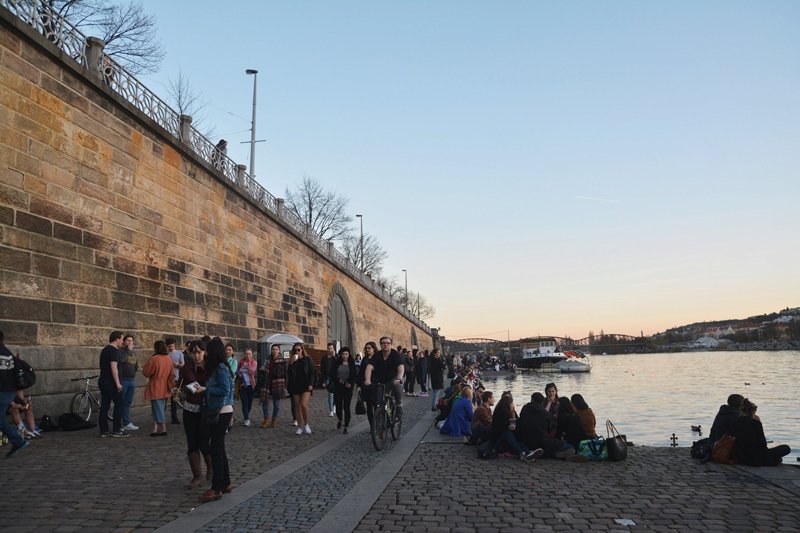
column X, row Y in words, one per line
column 385, row 417
column 83, row 402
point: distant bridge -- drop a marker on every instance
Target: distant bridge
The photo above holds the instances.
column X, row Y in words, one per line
column 603, row 343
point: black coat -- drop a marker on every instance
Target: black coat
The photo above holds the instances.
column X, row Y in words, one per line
column 436, row 368
column 722, row 422
column 751, row 444
column 534, row 428
column 571, row 429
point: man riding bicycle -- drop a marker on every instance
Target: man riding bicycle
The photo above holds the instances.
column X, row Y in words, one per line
column 385, row 368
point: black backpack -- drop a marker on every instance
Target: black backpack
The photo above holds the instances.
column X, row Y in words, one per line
column 47, row 424
column 486, row 450
column 702, row 449
column 24, row 376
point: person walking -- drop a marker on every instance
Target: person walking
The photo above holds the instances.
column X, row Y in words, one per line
column 345, row 373
column 160, row 383
column 276, row 386
column 301, row 385
column 328, row 377
column 421, row 372
column 247, row 373
column 178, row 358
column 219, row 396
column 8, row 391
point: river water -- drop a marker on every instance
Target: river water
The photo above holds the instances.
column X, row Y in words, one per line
column 649, row 397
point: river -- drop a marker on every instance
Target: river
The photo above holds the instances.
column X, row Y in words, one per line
column 651, row 396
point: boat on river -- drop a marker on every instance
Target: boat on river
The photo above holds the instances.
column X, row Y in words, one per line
column 575, row 362
column 544, row 358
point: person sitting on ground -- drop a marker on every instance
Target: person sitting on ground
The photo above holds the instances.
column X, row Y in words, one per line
column 21, row 406
column 570, row 427
column 725, row 416
column 459, row 421
column 446, row 402
column 751, row 444
column 482, row 419
column 551, row 399
column 535, row 427
column 586, row 415
column 504, row 426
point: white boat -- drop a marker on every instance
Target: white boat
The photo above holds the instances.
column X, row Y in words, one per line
column 575, row 362
column 543, row 358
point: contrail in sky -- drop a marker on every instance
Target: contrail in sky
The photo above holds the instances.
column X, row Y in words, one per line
column 596, row 199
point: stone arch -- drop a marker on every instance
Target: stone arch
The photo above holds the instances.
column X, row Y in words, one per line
column 340, row 318
column 414, row 337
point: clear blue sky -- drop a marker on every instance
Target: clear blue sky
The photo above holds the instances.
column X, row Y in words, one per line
column 539, row 167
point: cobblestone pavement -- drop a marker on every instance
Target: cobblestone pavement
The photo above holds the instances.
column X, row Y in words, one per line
column 77, row 481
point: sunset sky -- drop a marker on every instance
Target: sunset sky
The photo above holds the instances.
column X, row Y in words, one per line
column 538, row 167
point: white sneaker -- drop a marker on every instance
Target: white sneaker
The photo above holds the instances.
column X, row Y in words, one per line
column 247, row 423
column 299, row 431
column 294, row 422
column 332, row 413
column 307, row 429
column 130, row 426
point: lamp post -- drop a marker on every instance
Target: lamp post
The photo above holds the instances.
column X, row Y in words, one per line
column 253, row 124
column 405, row 272
column 361, row 240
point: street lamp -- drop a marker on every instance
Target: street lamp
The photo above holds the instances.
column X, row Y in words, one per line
column 253, row 124
column 361, row 241
column 405, row 272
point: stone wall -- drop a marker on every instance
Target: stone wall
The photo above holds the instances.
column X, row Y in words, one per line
column 108, row 222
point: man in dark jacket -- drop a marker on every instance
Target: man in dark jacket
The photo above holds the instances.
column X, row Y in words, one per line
column 8, row 391
column 725, row 417
column 534, row 427
column 326, row 369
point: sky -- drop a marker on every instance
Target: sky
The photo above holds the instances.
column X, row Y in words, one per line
column 538, row 168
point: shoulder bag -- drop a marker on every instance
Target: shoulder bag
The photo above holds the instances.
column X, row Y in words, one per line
column 593, row 449
column 615, row 443
column 725, row 450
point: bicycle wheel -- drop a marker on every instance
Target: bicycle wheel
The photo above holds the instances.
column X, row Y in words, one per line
column 378, row 430
column 81, row 405
column 398, row 423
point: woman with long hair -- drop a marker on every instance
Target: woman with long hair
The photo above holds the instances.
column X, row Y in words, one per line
column 570, row 427
column 504, row 426
column 160, row 382
column 219, row 395
column 586, row 415
column 344, row 375
column 193, row 375
column 276, row 385
column 301, row 385
column 551, row 399
column 751, row 444
column 247, row 373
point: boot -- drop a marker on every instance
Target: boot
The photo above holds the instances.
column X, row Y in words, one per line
column 274, row 423
column 209, row 467
column 265, row 423
column 197, row 470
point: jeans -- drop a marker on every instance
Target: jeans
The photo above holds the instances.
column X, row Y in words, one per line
column 7, row 427
column 197, row 433
column 369, row 395
column 343, row 396
column 246, row 395
column 435, row 397
column 158, row 409
column 219, row 459
column 173, row 409
column 331, row 401
column 276, row 406
column 109, row 393
column 508, row 441
column 128, row 393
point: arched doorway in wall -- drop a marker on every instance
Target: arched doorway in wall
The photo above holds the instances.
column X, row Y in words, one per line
column 340, row 318
column 414, row 338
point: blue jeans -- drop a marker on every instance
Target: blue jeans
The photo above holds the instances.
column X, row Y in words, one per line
column 435, row 397
column 276, row 406
column 246, row 396
column 7, row 427
column 508, row 442
column 128, row 392
column 331, row 401
column 158, row 408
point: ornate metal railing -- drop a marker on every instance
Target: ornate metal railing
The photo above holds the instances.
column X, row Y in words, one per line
column 69, row 39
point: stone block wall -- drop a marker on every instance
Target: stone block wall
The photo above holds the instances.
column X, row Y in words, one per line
column 108, row 222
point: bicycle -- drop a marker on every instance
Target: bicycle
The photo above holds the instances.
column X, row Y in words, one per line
column 82, row 402
column 385, row 416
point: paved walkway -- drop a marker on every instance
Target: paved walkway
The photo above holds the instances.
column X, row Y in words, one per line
column 424, row 482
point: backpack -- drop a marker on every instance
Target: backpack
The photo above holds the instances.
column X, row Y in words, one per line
column 702, row 449
column 725, row 450
column 24, row 376
column 486, row 450
column 47, row 424
column 74, row 422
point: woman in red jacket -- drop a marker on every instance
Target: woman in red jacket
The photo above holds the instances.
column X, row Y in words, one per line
column 160, row 382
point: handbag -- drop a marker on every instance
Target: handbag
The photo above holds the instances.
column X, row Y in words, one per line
column 616, row 444
column 361, row 409
column 725, row 450
column 593, row 449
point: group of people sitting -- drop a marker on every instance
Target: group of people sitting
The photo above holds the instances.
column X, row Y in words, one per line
column 547, row 426
column 738, row 419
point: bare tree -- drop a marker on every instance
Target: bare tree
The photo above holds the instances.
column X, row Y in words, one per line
column 323, row 211
column 187, row 101
column 374, row 254
column 129, row 32
column 418, row 305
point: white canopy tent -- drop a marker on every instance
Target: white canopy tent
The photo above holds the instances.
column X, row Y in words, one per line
column 285, row 340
